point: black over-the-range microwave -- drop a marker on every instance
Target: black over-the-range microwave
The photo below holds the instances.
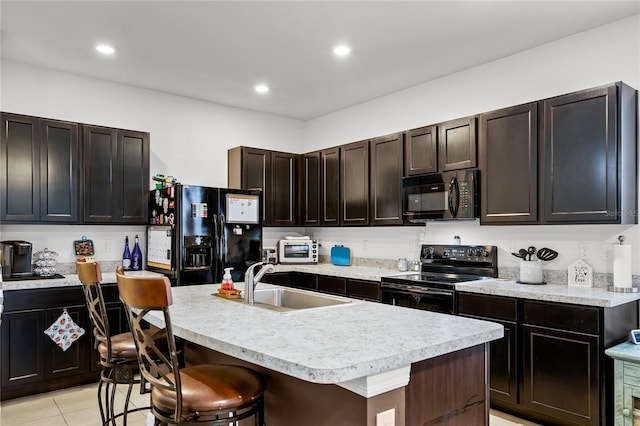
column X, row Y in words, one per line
column 441, row 196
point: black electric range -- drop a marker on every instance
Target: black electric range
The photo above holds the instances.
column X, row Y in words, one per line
column 433, row 289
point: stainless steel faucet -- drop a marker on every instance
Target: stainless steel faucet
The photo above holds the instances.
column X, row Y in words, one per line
column 251, row 280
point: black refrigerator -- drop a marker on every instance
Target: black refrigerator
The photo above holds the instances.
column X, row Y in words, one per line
column 195, row 232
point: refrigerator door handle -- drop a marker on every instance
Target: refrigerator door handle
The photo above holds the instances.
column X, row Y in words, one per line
column 222, row 243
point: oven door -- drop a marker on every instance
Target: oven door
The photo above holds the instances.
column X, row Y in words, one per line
column 418, row 297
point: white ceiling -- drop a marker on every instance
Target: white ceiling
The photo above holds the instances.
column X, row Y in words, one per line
column 218, row 50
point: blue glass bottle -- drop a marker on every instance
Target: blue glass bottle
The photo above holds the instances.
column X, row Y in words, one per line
column 136, row 258
column 126, row 256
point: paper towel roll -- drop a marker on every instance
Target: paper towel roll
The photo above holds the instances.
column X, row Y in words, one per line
column 622, row 266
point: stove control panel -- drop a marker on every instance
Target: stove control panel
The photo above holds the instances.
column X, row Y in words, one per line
column 453, row 254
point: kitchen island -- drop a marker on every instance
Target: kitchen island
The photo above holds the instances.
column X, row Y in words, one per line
column 344, row 364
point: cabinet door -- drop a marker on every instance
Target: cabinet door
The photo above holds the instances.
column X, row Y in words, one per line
column 59, row 171
column 133, row 177
column 20, row 169
column 580, row 157
column 421, row 151
column 330, row 186
column 23, row 354
column 509, row 163
column 386, row 180
column 360, row 289
column 333, row 285
column 100, row 175
column 283, row 189
column 304, row 280
column 74, row 360
column 311, row 186
column 562, row 374
column 504, row 353
column 354, row 183
column 256, row 172
column 457, row 144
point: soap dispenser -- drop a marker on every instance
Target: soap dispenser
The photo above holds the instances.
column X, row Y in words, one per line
column 227, row 282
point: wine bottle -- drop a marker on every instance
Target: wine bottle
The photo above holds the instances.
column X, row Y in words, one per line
column 136, row 259
column 126, row 256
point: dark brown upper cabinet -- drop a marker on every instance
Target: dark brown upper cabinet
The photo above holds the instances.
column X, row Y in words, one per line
column 330, row 205
column 457, row 144
column 354, row 183
column 421, row 151
column 116, row 175
column 508, row 142
column 40, row 170
column 386, row 180
column 274, row 173
column 284, row 188
column 310, row 209
column 590, row 156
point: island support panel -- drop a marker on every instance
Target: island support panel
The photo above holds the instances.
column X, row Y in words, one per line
column 450, row 389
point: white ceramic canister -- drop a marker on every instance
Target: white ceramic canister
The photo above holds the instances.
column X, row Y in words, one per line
column 531, row 272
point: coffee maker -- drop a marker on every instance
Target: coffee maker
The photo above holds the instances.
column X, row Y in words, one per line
column 16, row 259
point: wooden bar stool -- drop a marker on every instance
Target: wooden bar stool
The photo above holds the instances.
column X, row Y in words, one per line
column 118, row 356
column 216, row 394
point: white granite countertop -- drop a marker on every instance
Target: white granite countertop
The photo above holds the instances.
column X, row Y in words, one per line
column 327, row 345
column 68, row 280
column 550, row 292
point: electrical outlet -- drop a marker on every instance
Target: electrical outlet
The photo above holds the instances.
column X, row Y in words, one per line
column 606, row 249
column 106, row 246
column 386, row 418
column 584, row 251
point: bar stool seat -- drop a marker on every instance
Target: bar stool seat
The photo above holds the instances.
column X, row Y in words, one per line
column 211, row 388
column 215, row 394
column 122, row 346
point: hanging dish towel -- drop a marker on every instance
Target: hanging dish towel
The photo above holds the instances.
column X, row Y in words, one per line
column 64, row 331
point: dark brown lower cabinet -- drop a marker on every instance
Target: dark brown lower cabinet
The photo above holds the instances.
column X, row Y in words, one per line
column 361, row 289
column 503, row 365
column 550, row 365
column 357, row 289
column 333, row 285
column 31, row 362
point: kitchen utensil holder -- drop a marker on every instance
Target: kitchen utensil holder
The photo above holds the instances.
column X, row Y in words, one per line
column 531, row 272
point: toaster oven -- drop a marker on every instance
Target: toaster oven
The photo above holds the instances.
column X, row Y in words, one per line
column 297, row 251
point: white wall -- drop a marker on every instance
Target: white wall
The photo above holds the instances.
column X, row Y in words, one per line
column 189, row 138
column 600, row 56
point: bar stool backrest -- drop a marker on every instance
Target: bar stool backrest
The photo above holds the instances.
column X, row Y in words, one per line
column 90, row 275
column 158, row 366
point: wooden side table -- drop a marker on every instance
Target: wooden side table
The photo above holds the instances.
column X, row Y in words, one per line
column 626, row 386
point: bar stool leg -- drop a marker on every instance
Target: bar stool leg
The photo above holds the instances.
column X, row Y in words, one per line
column 101, row 404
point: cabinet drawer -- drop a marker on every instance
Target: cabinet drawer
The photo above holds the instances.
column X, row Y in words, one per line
column 631, row 373
column 369, row 290
column 581, row 319
column 302, row 280
column 496, row 307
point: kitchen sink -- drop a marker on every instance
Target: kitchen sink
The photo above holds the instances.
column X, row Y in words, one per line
column 289, row 299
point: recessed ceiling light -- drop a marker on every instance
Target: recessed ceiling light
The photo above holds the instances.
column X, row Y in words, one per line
column 105, row 49
column 341, row 50
column 261, row 88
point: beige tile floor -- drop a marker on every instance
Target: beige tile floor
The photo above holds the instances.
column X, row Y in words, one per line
column 78, row 406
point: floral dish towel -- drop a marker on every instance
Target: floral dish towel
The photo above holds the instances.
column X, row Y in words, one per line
column 64, row 331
